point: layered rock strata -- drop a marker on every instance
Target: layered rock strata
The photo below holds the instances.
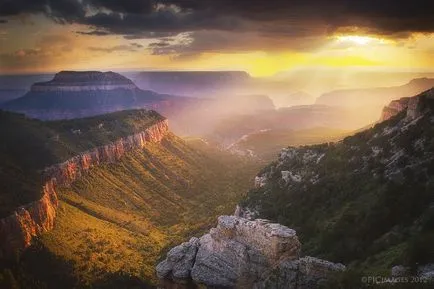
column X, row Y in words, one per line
column 241, row 253
column 412, row 105
column 18, row 229
column 68, row 171
column 84, row 81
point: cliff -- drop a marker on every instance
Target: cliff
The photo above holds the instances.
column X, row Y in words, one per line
column 18, row 229
column 241, row 253
column 68, row 171
column 84, row 81
column 72, row 94
column 379, row 178
column 413, row 105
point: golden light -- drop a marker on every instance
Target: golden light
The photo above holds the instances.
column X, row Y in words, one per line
column 357, row 39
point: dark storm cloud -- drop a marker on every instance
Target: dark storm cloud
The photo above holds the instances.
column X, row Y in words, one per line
column 126, row 6
column 278, row 18
column 133, row 47
column 94, row 33
column 59, row 10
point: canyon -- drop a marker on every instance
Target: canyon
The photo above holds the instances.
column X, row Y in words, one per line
column 28, row 221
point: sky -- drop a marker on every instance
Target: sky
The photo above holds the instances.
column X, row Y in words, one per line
column 262, row 37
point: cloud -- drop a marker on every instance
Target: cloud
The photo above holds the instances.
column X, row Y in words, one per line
column 94, row 33
column 130, row 17
column 215, row 41
column 133, row 47
column 233, row 25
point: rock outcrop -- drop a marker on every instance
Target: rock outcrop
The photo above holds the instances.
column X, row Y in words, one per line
column 68, row 171
column 241, row 253
column 84, row 81
column 18, row 229
column 412, row 105
column 393, row 108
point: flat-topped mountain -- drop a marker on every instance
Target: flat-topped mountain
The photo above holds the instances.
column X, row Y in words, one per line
column 84, row 80
column 73, row 94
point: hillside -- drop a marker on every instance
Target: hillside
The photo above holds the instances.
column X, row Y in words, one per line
column 365, row 201
column 114, row 218
column 266, row 144
column 32, row 145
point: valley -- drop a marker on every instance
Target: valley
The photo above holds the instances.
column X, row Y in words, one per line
column 99, row 189
column 118, row 215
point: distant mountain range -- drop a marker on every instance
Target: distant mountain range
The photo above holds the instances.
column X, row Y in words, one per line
column 374, row 97
column 192, row 83
column 77, row 94
column 73, row 94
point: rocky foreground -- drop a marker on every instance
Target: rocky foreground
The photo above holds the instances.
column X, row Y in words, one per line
column 241, row 253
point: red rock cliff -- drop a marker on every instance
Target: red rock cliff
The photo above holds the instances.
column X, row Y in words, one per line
column 414, row 106
column 18, row 229
column 68, row 171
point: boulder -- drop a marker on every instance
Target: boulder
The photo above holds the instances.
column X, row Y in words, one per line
column 241, row 253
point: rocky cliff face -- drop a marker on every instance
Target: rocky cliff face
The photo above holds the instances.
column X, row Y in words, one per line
column 68, row 171
column 412, row 105
column 242, row 253
column 84, row 81
column 18, row 229
column 393, row 108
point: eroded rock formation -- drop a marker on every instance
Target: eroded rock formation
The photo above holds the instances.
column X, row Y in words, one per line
column 241, row 253
column 68, row 171
column 84, row 81
column 18, row 229
column 412, row 105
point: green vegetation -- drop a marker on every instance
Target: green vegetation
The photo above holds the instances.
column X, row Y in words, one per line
column 29, row 145
column 267, row 144
column 365, row 201
column 114, row 223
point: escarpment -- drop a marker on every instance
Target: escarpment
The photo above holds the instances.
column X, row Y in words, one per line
column 28, row 221
column 84, row 81
column 18, row 229
column 241, row 253
column 412, row 105
column 68, row 171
